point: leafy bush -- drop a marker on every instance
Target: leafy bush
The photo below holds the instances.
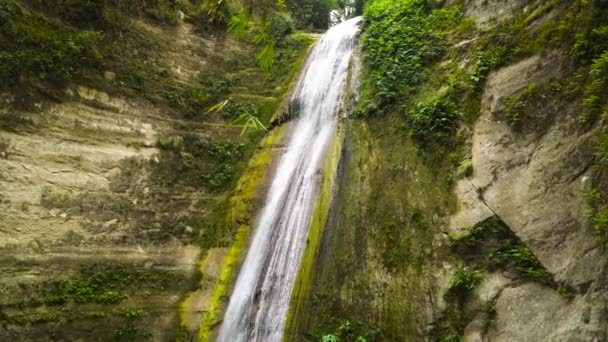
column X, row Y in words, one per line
column 345, row 332
column 35, row 47
column 330, row 338
column 434, row 122
column 280, row 25
column 309, row 13
column 214, row 11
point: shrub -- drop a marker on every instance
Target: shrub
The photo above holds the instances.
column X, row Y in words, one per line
column 280, row 25
column 192, row 102
column 466, row 279
column 434, row 122
column 36, row 48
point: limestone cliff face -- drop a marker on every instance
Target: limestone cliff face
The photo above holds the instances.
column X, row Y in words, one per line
column 534, row 180
column 108, row 199
column 534, row 177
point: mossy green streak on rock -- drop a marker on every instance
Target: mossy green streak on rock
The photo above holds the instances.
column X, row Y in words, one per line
column 239, row 211
column 375, row 265
column 229, row 271
column 303, row 285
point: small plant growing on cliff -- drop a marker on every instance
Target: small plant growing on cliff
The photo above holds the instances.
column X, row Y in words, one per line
column 527, row 264
column 249, row 120
column 595, row 99
column 330, row 338
column 434, row 122
column 517, row 105
column 466, row 279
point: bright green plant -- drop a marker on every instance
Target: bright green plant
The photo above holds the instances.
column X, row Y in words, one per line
column 330, row 338
column 248, row 120
column 466, row 279
column 595, row 101
column 528, row 265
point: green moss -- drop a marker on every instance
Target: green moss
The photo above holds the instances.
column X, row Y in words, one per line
column 378, row 236
column 217, row 302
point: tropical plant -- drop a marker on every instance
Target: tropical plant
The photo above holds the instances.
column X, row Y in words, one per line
column 248, row 120
column 330, row 338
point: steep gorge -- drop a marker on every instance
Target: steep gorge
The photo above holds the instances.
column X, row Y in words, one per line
column 463, row 199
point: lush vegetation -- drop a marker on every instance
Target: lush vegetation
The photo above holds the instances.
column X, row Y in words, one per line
column 35, row 47
column 104, row 285
column 400, row 39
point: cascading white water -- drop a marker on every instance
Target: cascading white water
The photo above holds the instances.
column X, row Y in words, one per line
column 259, row 303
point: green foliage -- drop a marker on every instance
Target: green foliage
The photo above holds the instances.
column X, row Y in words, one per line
column 345, row 333
column 266, row 56
column 490, row 245
column 215, row 11
column 34, row 47
column 489, row 311
column 465, row 169
column 452, row 338
column 330, row 338
column 311, row 13
column 103, row 285
column 598, row 214
column 248, row 120
column 434, row 123
column 466, row 279
column 280, row 24
column 214, row 165
column 518, row 104
column 238, row 24
column 401, row 37
column 192, row 102
column 527, row 264
column 481, row 68
column 596, row 102
column 584, row 30
column 276, row 24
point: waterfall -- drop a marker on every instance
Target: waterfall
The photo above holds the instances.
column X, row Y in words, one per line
column 259, row 303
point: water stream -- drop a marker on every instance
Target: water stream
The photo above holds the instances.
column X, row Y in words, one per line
column 259, row 303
